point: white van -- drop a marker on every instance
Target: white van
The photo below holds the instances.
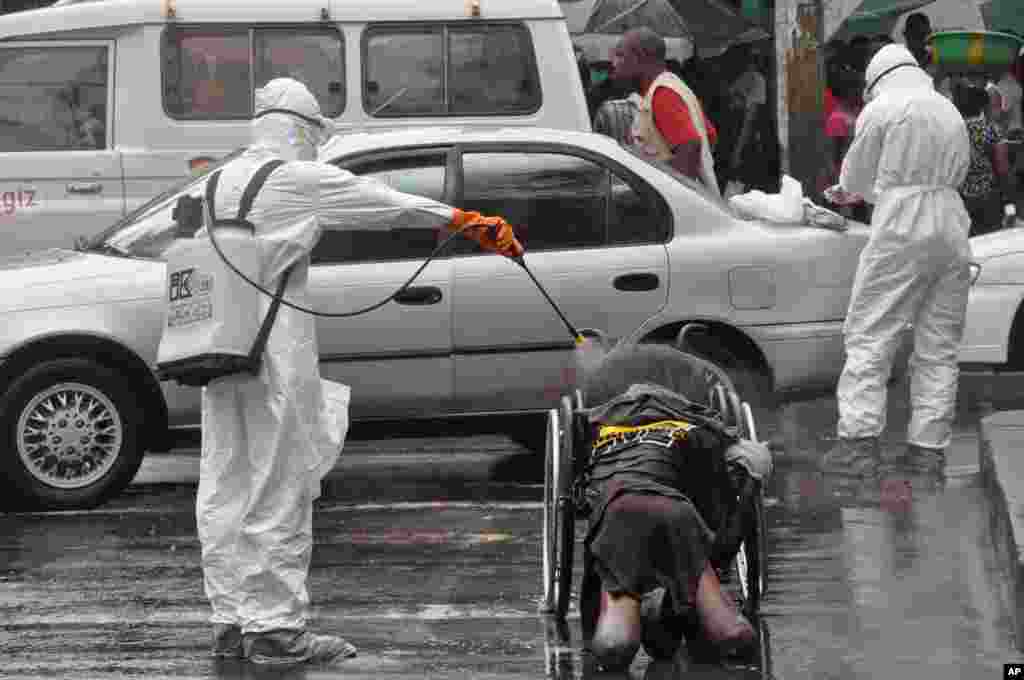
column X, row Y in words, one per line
column 104, row 103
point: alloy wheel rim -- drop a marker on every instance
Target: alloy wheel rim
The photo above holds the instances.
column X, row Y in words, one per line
column 69, row 435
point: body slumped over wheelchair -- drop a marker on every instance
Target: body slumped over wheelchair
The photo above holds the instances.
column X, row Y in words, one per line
column 670, row 481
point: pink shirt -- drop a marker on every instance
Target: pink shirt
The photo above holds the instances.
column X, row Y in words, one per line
column 841, row 122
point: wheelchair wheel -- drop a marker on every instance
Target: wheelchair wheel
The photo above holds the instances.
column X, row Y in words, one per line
column 751, row 559
column 759, row 541
column 559, row 529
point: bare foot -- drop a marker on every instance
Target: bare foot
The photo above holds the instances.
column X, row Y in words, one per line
column 617, row 637
column 724, row 626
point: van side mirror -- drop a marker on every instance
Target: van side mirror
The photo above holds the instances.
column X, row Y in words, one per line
column 373, row 87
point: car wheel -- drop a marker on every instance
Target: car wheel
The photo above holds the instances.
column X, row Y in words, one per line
column 71, row 431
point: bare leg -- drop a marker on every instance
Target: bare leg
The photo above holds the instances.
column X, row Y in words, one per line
column 617, row 638
column 725, row 627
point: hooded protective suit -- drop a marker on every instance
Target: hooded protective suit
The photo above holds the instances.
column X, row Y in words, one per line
column 909, row 155
column 268, row 440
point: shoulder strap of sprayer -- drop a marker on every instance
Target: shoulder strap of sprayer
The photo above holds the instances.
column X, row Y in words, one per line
column 248, row 196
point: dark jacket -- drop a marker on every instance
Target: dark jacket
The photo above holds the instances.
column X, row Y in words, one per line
column 691, row 469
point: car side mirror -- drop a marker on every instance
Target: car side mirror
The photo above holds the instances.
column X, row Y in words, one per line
column 188, row 213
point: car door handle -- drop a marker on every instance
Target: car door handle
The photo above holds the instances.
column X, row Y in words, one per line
column 85, row 188
column 419, row 295
column 635, row 282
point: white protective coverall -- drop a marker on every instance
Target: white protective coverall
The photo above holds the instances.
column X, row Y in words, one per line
column 268, row 440
column 909, row 154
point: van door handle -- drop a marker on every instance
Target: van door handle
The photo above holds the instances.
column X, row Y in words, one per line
column 85, row 188
column 636, row 282
column 419, row 295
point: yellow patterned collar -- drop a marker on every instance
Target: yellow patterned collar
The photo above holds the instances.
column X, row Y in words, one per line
column 677, row 428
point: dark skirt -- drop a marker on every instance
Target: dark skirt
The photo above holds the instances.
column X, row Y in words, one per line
column 645, row 541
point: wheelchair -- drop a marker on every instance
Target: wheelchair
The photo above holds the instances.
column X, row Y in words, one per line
column 739, row 546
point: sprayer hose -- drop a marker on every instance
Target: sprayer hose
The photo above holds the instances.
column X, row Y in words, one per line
column 334, row 315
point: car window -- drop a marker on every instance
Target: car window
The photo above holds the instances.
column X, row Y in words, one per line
column 635, row 214
column 453, row 70
column 210, row 73
column 553, row 201
column 53, row 98
column 421, row 176
column 690, row 183
column 149, row 229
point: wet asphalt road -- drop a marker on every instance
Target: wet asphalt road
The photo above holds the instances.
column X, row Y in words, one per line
column 427, row 557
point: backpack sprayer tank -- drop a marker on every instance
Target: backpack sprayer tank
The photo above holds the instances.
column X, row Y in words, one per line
column 212, row 326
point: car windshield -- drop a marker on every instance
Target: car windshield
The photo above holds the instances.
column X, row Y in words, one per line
column 136, row 233
column 698, row 187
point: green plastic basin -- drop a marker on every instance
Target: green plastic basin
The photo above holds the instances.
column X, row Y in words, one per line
column 974, row 50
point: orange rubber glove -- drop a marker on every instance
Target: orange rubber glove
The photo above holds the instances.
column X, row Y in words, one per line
column 492, row 233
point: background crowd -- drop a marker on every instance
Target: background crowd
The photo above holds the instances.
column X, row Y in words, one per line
column 734, row 91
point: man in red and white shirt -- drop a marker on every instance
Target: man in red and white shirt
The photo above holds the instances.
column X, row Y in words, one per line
column 671, row 125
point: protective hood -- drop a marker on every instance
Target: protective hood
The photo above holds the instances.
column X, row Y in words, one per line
column 894, row 68
column 288, row 121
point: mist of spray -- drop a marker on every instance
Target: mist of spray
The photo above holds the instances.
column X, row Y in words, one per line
column 587, row 357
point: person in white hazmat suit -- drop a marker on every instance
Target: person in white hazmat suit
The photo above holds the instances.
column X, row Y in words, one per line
column 909, row 155
column 269, row 439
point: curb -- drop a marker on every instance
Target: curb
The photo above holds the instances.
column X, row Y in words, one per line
column 1002, row 473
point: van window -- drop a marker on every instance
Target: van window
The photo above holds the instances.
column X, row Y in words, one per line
column 53, row 98
column 491, row 70
column 315, row 59
column 211, row 73
column 440, row 70
column 404, row 72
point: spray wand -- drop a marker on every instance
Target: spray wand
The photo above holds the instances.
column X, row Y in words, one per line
column 572, row 330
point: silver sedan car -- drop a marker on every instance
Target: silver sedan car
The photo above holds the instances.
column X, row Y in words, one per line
column 622, row 244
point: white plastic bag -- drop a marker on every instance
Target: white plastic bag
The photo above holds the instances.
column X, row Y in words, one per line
column 786, row 206
column 334, row 420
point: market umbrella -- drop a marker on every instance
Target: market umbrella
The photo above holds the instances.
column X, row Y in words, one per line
column 1003, row 15
column 706, row 23
column 878, row 17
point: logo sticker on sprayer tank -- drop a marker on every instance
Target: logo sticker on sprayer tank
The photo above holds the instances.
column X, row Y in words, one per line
column 188, row 294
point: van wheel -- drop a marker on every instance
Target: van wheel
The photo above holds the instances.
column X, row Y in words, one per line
column 71, row 435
